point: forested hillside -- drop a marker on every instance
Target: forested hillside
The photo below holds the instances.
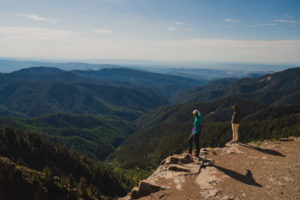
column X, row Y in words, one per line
column 41, row 164
column 153, row 143
column 35, row 98
column 278, row 88
column 165, row 84
column 212, row 111
column 96, row 136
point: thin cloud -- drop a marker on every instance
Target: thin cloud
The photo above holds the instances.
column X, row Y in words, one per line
column 289, row 16
column 36, row 34
column 49, row 43
column 277, row 51
column 102, row 31
column 38, row 18
column 287, row 21
column 171, row 28
column 231, row 20
column 262, row 25
column 178, row 23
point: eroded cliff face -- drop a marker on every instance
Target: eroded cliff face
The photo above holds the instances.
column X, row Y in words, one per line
column 261, row 170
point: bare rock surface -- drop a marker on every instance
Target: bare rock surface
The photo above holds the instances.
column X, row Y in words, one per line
column 262, row 170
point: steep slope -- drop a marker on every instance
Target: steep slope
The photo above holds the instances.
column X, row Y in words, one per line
column 151, row 144
column 34, row 98
column 96, row 136
column 273, row 112
column 261, row 170
column 218, row 110
column 272, row 88
column 6, row 112
column 58, row 163
column 32, row 184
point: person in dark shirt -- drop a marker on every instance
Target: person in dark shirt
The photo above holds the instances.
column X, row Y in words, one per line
column 235, row 122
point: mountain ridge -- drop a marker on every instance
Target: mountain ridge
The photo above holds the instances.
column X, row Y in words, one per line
column 248, row 87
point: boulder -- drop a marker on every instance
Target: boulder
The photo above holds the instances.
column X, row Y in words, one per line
column 179, row 159
column 144, row 189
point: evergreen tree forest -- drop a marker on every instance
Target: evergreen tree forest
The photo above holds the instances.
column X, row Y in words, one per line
column 36, row 163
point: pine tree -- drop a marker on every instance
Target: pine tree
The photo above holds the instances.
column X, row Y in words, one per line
column 82, row 186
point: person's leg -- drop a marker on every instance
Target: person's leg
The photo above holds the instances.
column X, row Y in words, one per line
column 233, row 135
column 191, row 143
column 196, row 139
column 237, row 132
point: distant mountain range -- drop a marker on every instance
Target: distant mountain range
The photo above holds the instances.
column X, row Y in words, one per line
column 278, row 88
column 123, row 92
column 204, row 71
column 8, row 65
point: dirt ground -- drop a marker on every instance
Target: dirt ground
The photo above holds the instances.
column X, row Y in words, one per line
column 267, row 170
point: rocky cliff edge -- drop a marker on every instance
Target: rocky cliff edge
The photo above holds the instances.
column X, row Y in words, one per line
column 260, row 170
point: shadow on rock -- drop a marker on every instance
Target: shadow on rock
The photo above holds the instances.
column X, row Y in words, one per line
column 266, row 151
column 144, row 189
column 248, row 178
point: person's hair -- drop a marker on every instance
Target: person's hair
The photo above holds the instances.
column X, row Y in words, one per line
column 234, row 107
column 195, row 112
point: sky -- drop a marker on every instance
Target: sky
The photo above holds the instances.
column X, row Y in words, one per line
column 235, row 31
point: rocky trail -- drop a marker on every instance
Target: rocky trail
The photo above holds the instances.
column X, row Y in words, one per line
column 262, row 170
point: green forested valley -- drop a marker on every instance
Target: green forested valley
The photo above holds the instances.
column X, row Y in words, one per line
column 39, row 168
column 94, row 133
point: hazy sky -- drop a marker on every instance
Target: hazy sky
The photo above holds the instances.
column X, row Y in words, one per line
column 259, row 31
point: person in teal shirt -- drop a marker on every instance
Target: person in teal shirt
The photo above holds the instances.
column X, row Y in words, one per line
column 196, row 131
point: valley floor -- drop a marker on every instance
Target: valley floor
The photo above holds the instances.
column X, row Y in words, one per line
column 262, row 170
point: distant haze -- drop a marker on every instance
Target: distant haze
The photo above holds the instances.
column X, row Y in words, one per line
column 10, row 65
column 232, row 31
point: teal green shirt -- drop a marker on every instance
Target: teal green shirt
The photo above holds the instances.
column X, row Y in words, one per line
column 197, row 124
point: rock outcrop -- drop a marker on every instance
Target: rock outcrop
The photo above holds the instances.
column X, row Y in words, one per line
column 263, row 170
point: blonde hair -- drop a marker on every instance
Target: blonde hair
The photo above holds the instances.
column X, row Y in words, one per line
column 195, row 112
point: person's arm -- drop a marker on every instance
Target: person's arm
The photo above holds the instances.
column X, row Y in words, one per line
column 233, row 117
column 200, row 118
